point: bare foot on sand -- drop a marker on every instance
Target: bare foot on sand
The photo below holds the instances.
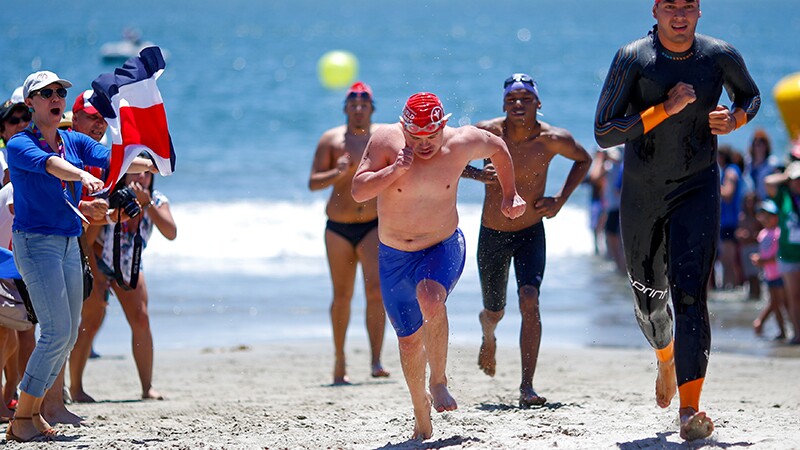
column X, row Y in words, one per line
column 423, row 428
column 486, row 357
column 666, row 383
column 152, row 394
column 340, row 373
column 5, row 413
column 695, row 425
column 81, row 397
column 758, row 327
column 528, row 397
column 442, row 400
column 61, row 415
column 378, row 371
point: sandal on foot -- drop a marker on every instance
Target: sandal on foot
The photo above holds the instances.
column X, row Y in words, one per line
column 10, row 436
column 48, row 433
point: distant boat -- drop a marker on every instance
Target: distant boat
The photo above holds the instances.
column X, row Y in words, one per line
column 119, row 51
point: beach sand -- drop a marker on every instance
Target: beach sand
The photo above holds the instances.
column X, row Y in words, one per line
column 278, row 396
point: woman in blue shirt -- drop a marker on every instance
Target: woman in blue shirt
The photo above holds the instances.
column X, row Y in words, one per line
column 45, row 165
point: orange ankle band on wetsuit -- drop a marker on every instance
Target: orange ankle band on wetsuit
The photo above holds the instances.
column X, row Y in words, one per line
column 653, row 116
column 665, row 354
column 690, row 393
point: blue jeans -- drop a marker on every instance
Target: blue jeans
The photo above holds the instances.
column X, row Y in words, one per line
column 51, row 268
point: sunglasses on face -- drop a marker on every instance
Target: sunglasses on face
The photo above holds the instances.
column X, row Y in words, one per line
column 47, row 92
column 15, row 120
column 518, row 78
column 427, row 129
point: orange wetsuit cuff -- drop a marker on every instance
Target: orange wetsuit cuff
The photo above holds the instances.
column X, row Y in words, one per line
column 665, row 354
column 653, row 116
column 740, row 117
column 690, row 393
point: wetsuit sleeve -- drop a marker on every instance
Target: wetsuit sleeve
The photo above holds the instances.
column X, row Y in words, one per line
column 740, row 86
column 611, row 125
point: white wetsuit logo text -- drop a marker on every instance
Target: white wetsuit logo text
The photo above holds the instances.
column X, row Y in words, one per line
column 648, row 291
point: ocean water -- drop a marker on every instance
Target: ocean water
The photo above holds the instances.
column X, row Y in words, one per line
column 246, row 109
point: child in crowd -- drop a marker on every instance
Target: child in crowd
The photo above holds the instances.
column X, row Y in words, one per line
column 766, row 258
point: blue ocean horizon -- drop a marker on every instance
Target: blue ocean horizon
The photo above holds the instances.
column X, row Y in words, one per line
column 246, row 109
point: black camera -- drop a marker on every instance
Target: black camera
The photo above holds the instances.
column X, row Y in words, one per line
column 124, row 198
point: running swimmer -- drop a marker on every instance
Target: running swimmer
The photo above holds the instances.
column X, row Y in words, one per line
column 660, row 99
column 532, row 145
column 351, row 234
column 413, row 168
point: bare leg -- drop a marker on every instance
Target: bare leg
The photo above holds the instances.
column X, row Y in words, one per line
column 792, row 282
column 28, row 423
column 431, row 296
column 342, row 261
column 486, row 357
column 134, row 305
column 367, row 251
column 530, row 338
column 26, row 341
column 8, row 348
column 53, row 408
column 92, row 314
column 777, row 299
column 666, row 383
column 695, row 425
column 413, row 360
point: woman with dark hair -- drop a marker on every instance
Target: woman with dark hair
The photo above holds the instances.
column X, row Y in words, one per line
column 14, row 117
column 155, row 212
column 45, row 165
column 759, row 165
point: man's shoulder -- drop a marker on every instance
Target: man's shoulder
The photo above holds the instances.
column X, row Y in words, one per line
column 714, row 47
column 555, row 133
column 385, row 135
column 638, row 45
column 333, row 133
column 494, row 126
column 466, row 134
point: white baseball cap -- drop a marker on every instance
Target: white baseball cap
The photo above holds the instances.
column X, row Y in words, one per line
column 38, row 80
column 17, row 97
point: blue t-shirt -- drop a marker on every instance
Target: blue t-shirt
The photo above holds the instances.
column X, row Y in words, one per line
column 729, row 211
column 40, row 200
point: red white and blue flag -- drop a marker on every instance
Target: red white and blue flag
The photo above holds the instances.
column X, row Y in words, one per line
column 131, row 103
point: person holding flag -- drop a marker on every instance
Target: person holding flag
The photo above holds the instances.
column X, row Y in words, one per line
column 45, row 165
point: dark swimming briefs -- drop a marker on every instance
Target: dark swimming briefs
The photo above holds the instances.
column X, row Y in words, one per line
column 401, row 272
column 495, row 250
column 670, row 204
column 353, row 232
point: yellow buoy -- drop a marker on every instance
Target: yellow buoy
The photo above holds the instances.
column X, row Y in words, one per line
column 787, row 97
column 337, row 69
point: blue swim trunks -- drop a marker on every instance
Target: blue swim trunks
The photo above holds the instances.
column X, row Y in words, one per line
column 401, row 272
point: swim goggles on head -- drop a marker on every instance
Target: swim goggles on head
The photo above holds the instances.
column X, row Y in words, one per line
column 427, row 129
column 519, row 77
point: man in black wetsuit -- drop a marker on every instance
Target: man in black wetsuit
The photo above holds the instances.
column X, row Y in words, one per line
column 660, row 99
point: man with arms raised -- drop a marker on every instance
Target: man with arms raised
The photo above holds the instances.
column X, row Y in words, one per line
column 660, row 99
column 413, row 168
column 532, row 144
column 351, row 234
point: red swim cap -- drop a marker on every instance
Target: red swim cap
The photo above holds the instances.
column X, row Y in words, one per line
column 423, row 114
column 359, row 88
